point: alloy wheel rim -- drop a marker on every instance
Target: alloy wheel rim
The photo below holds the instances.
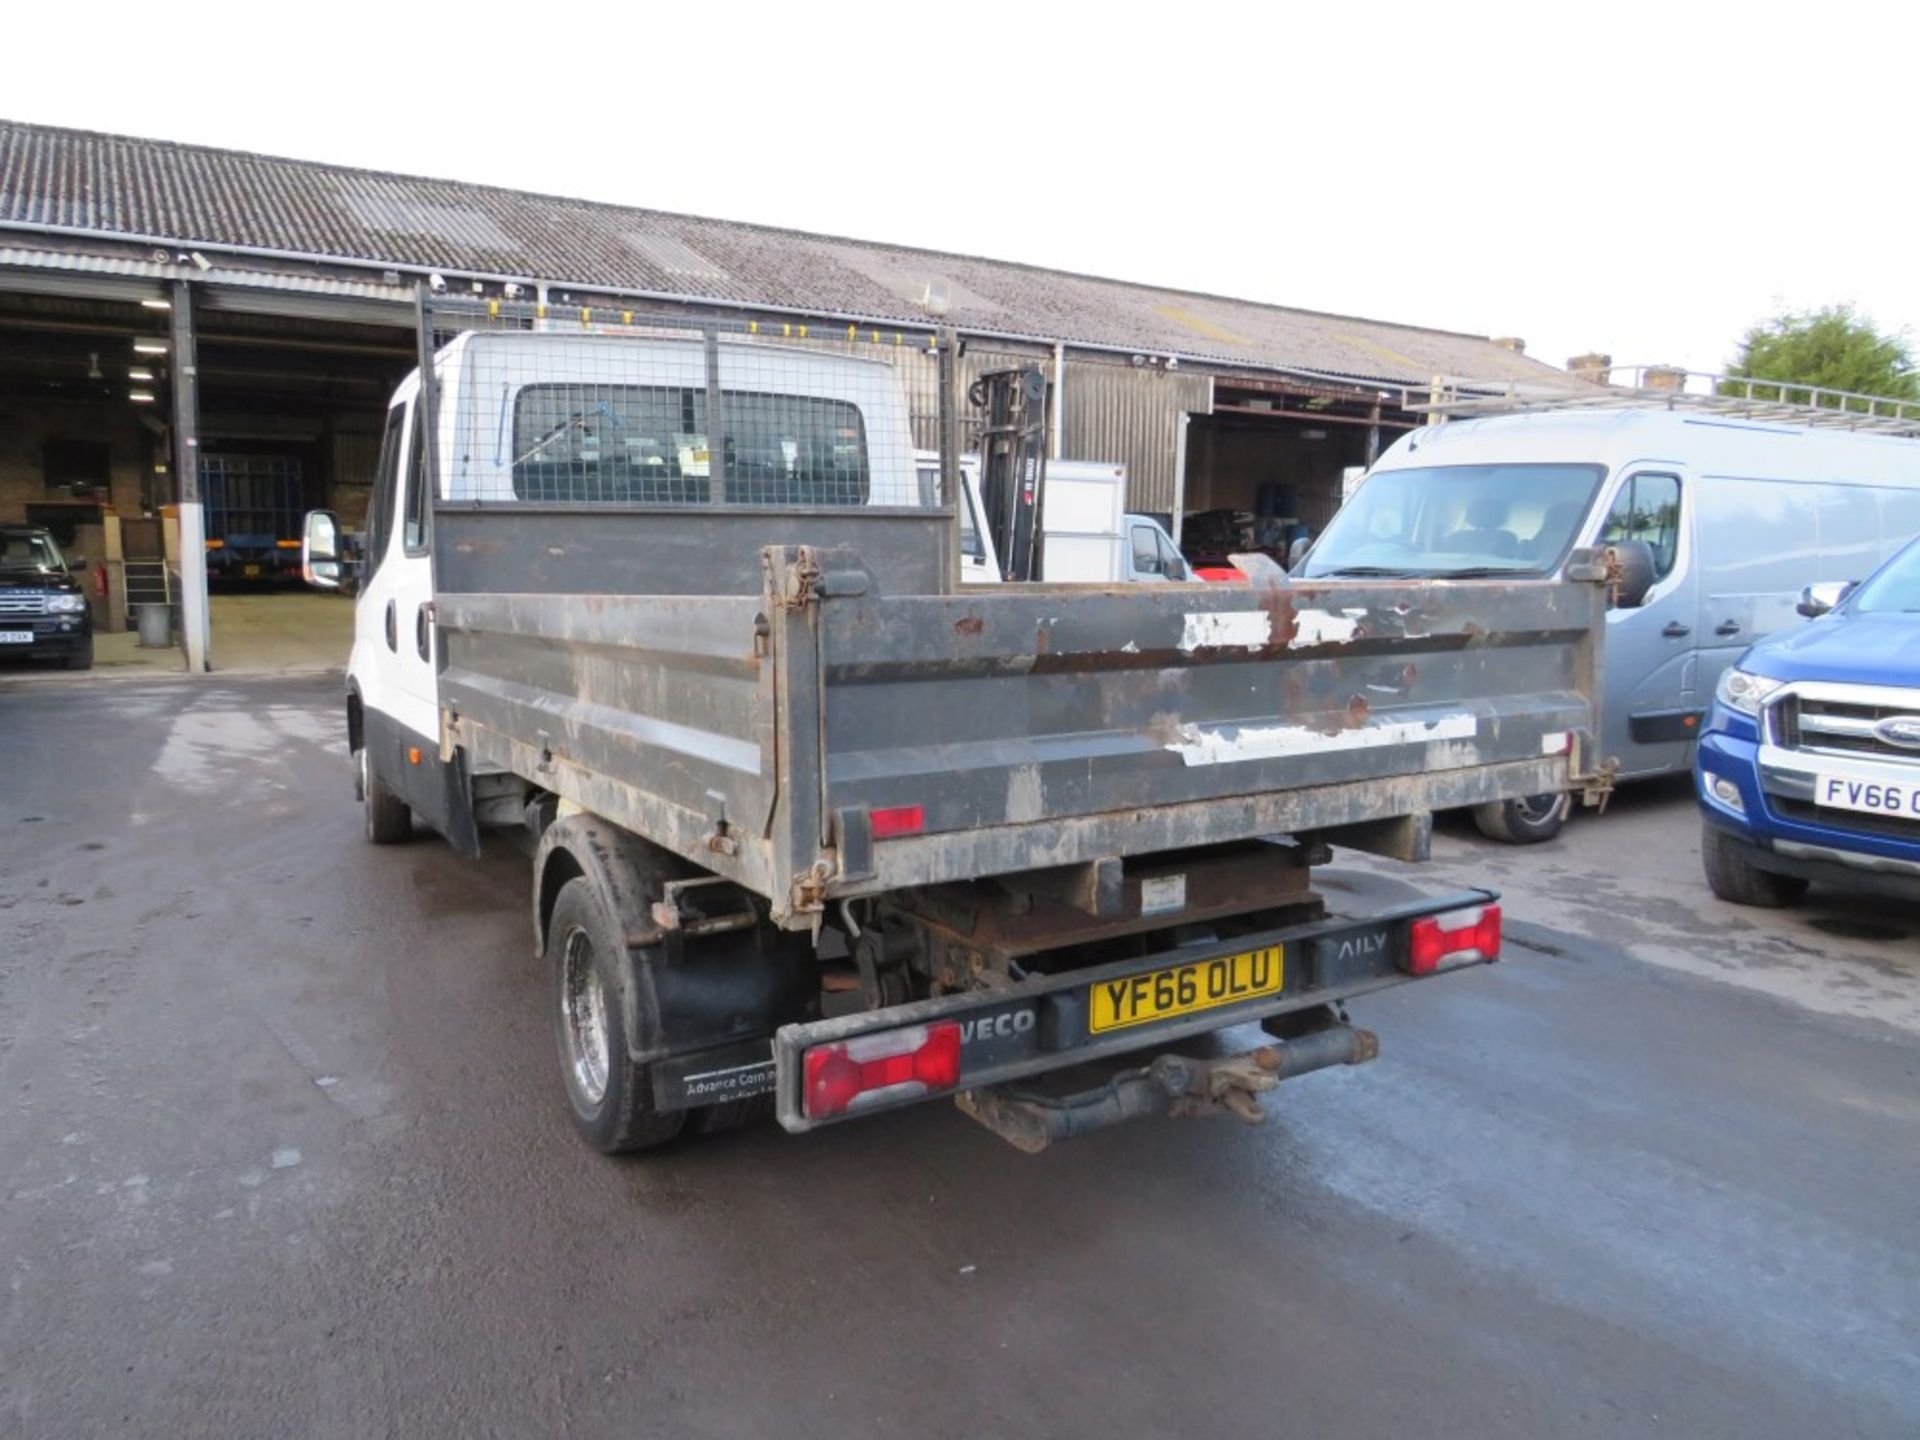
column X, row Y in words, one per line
column 583, row 1019
column 1537, row 809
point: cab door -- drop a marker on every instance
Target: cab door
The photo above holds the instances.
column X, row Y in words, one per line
column 1652, row 707
column 978, row 564
column 395, row 629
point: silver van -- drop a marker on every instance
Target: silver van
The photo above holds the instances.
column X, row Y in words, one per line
column 1719, row 522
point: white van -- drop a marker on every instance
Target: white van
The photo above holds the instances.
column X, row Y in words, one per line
column 1720, row 521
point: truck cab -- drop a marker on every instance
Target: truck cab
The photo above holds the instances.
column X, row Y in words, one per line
column 1810, row 765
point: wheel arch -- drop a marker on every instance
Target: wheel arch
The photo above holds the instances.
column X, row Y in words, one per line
column 624, row 871
column 730, row 988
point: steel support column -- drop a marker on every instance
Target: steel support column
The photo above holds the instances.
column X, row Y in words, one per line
column 1059, row 422
column 186, row 468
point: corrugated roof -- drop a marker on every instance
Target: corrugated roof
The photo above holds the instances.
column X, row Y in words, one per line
column 195, row 196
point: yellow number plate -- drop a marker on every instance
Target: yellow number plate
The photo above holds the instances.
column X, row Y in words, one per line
column 1183, row 989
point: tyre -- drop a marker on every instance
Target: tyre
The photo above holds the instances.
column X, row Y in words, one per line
column 389, row 821
column 1736, row 880
column 1526, row 821
column 82, row 659
column 587, row 964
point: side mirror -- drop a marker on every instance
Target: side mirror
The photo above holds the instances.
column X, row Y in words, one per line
column 76, row 562
column 1817, row 600
column 320, row 559
column 1633, row 565
column 1297, row 551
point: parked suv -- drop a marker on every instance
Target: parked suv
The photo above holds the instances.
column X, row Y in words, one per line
column 1810, row 767
column 43, row 607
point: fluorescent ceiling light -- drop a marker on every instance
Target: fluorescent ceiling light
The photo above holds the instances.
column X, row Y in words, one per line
column 157, row 304
column 144, row 346
column 140, row 397
column 139, row 374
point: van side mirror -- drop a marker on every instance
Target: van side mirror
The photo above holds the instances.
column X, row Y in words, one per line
column 1816, row 600
column 1632, row 564
column 321, row 563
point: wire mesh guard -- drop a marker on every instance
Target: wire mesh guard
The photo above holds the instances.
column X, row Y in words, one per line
column 632, row 409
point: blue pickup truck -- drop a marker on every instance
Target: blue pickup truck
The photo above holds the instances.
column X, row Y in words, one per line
column 1810, row 765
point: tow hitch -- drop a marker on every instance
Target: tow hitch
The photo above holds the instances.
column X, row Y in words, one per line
column 1172, row 1085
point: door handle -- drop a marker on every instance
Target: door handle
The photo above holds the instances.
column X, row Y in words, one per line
column 1727, row 627
column 1675, row 630
column 393, row 629
column 422, row 630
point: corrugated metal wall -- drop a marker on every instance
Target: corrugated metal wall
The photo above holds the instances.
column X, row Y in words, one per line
column 1131, row 414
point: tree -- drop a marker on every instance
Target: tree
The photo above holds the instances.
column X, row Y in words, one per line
column 1832, row 348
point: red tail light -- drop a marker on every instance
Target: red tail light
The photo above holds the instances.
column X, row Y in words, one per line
column 898, row 820
column 898, row 1065
column 1459, row 937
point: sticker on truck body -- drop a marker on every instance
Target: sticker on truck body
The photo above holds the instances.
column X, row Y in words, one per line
column 1197, row 745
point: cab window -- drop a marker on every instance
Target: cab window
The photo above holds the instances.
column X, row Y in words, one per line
column 1172, row 563
column 385, row 483
column 415, row 533
column 1146, row 551
column 1647, row 508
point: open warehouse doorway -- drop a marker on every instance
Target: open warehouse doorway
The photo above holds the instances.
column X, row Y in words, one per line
column 1273, row 461
column 279, row 402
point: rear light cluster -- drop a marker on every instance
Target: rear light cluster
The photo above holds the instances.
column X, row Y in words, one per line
column 879, row 1069
column 1457, row 937
column 898, row 820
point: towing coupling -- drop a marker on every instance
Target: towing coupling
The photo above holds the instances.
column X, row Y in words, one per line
column 1170, row 1085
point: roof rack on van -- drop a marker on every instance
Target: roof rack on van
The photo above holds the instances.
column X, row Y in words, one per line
column 1670, row 388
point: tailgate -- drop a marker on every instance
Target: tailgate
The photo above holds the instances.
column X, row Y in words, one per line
column 1007, row 728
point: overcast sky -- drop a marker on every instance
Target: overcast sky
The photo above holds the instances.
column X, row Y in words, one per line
column 1643, row 180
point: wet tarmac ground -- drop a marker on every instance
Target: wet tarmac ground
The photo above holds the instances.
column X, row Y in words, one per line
column 283, row 1152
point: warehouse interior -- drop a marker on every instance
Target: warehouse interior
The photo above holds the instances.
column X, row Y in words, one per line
column 289, row 410
column 1272, row 459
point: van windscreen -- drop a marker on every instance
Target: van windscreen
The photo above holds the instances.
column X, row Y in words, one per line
column 1458, row 519
column 648, row 445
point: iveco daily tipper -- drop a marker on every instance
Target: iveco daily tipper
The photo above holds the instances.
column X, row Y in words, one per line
column 823, row 831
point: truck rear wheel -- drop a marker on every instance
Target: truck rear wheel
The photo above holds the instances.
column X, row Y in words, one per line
column 389, row 821
column 1737, row 880
column 611, row 1100
column 1526, row 821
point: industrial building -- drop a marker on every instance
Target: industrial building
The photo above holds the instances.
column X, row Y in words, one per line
column 164, row 305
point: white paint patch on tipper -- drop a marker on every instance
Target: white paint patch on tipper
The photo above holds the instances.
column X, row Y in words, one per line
column 1324, row 627
column 1026, row 801
column 1226, row 630
column 1556, row 742
column 1197, row 746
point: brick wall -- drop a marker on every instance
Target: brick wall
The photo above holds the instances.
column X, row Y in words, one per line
column 26, row 427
